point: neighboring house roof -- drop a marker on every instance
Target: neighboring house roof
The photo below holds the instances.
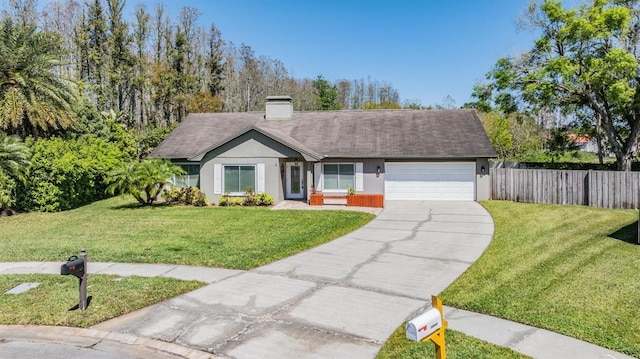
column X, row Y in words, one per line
column 579, row 140
column 339, row 134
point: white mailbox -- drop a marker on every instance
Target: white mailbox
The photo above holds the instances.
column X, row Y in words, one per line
column 424, row 325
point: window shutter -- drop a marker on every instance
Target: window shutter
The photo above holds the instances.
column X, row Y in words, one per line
column 217, row 178
column 359, row 177
column 260, row 183
column 317, row 174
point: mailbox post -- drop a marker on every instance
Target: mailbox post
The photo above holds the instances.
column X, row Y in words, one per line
column 78, row 268
column 82, row 301
column 430, row 325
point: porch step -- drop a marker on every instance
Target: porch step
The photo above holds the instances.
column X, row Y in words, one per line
column 335, row 201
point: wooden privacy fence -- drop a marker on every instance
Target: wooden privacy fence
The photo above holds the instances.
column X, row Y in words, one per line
column 605, row 189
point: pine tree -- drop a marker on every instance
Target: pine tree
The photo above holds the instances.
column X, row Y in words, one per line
column 96, row 51
column 214, row 63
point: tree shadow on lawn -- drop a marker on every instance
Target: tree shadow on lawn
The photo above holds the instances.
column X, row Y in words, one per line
column 627, row 233
column 137, row 205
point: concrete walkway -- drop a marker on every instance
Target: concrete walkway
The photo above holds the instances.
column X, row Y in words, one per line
column 339, row 300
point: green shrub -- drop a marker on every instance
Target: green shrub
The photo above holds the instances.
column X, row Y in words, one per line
column 7, row 191
column 200, row 200
column 227, row 201
column 263, row 199
column 249, row 199
column 191, row 196
column 67, row 173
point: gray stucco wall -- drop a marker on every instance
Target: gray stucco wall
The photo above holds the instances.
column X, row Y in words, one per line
column 483, row 181
column 250, row 148
column 373, row 184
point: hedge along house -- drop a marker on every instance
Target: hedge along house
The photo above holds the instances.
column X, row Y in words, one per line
column 401, row 154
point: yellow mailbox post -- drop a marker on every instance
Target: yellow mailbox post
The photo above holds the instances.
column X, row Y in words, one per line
column 430, row 325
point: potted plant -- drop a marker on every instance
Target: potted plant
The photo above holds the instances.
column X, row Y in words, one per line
column 364, row 200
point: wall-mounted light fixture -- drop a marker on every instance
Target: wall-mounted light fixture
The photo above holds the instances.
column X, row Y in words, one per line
column 296, row 162
column 482, row 170
column 378, row 171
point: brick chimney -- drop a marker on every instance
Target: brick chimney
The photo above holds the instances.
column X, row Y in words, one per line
column 279, row 108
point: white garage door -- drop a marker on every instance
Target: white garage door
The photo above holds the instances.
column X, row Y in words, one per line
column 451, row 181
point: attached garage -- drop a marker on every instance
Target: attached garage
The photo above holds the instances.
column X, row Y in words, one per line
column 449, row 181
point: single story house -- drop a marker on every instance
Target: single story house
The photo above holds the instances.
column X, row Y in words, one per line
column 583, row 143
column 401, row 154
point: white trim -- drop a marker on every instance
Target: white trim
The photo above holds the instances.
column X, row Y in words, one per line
column 317, row 173
column 255, row 176
column 260, row 183
column 217, row 178
column 289, row 180
column 359, row 176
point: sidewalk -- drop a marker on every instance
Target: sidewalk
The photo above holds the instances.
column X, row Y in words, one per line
column 537, row 343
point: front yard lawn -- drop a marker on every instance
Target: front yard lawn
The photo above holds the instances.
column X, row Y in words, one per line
column 111, row 296
column 570, row 269
column 117, row 230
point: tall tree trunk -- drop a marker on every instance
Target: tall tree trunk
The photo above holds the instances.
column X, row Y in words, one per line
column 599, row 139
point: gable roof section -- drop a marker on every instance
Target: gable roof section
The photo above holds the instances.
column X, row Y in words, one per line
column 392, row 134
column 273, row 134
column 199, row 131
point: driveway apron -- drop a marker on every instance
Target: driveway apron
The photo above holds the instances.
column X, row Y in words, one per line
column 339, row 300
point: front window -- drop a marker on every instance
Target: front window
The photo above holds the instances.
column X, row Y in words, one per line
column 338, row 176
column 191, row 178
column 238, row 178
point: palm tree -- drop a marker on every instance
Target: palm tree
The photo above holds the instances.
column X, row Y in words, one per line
column 14, row 159
column 14, row 166
column 32, row 97
column 143, row 180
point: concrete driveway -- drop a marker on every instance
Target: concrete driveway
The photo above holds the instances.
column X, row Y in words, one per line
column 340, row 300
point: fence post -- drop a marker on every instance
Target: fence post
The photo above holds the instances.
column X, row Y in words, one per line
column 589, row 191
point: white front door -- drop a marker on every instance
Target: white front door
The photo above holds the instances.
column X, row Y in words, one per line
column 295, row 180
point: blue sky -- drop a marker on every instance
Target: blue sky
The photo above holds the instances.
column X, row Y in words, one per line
column 426, row 49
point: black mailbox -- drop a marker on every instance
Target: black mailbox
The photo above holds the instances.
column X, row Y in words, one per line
column 74, row 266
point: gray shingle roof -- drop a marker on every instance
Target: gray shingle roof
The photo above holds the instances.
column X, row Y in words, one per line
column 410, row 134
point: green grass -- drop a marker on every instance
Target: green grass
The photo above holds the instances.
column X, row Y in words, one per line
column 118, row 230
column 111, row 296
column 459, row 346
column 570, row 269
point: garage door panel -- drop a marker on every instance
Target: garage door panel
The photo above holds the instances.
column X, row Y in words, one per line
column 430, row 181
